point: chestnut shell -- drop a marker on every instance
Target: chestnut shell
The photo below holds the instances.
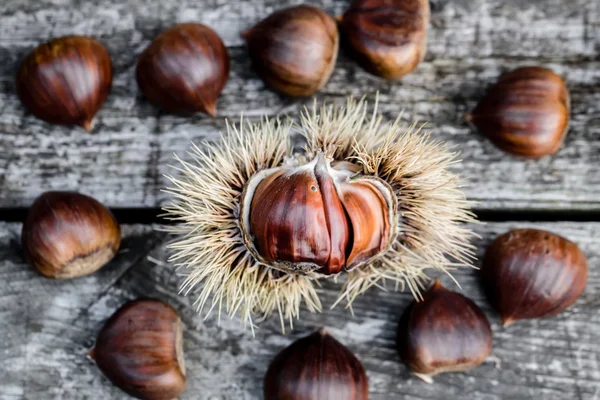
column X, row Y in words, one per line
column 294, row 50
column 66, row 80
column 316, row 367
column 388, row 38
column 445, row 332
column 526, row 112
column 140, row 350
column 68, row 234
column 184, row 69
column 531, row 273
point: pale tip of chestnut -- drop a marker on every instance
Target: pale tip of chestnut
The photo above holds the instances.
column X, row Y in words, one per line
column 88, row 125
column 210, row 109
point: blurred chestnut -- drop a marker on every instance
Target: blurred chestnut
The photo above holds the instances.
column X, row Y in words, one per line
column 68, row 234
column 316, row 367
column 66, row 80
column 525, row 113
column 446, row 332
column 387, row 37
column 184, row 69
column 140, row 350
column 531, row 273
column 294, row 50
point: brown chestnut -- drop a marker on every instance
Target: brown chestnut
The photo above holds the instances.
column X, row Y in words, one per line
column 184, row 69
column 66, row 80
column 319, row 216
column 446, row 332
column 67, row 234
column 525, row 113
column 140, row 350
column 531, row 273
column 387, row 37
column 316, row 367
column 294, row 50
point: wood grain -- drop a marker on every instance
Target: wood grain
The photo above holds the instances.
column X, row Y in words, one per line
column 48, row 327
column 470, row 43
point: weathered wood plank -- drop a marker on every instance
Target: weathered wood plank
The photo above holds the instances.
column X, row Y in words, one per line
column 471, row 42
column 49, row 326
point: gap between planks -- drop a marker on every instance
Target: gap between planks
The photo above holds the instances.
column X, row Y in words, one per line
column 152, row 215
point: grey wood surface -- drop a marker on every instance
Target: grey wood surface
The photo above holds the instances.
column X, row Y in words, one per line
column 49, row 326
column 471, row 43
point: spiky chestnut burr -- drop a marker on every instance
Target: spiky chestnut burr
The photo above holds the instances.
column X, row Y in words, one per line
column 244, row 206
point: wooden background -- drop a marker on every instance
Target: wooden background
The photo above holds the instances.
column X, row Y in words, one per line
column 47, row 327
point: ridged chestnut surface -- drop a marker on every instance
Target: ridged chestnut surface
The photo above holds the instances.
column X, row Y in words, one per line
column 66, row 80
column 316, row 367
column 184, row 69
column 525, row 113
column 387, row 37
column 445, row 332
column 140, row 349
column 319, row 216
column 68, row 234
column 531, row 273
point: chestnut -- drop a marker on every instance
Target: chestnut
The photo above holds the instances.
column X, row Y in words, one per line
column 525, row 113
column 446, row 332
column 66, row 80
column 311, row 217
column 531, row 273
column 388, row 38
column 294, row 50
column 140, row 350
column 316, row 367
column 184, row 69
column 68, row 234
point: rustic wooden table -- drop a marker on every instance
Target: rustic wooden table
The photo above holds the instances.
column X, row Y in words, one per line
column 48, row 326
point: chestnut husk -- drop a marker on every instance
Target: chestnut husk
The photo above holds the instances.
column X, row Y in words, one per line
column 387, row 38
column 526, row 112
column 68, row 234
column 294, row 50
column 316, row 367
column 224, row 250
column 66, row 80
column 532, row 273
column 140, row 350
column 445, row 332
column 184, row 69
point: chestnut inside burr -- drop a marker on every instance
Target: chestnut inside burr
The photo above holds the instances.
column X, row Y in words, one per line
column 317, row 217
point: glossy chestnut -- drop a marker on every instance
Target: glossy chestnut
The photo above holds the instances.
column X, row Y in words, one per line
column 140, row 350
column 294, row 50
column 68, row 234
column 66, row 80
column 525, row 113
column 388, row 38
column 445, row 332
column 320, row 216
column 316, row 367
column 184, row 69
column 531, row 273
